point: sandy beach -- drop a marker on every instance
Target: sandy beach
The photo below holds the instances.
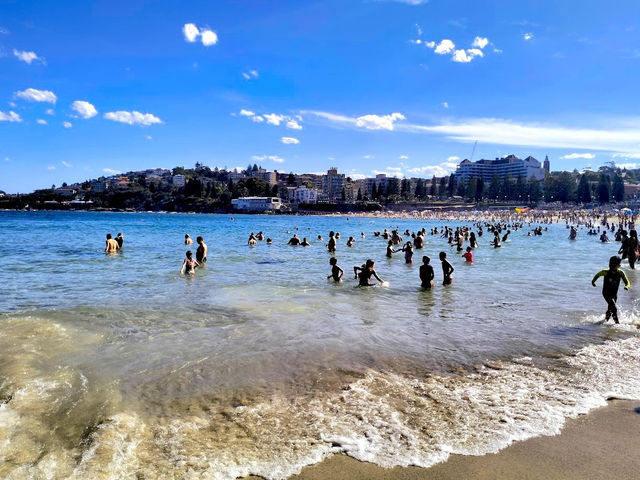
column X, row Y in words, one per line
column 600, row 445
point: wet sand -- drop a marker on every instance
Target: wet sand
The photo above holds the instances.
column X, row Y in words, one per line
column 601, row 445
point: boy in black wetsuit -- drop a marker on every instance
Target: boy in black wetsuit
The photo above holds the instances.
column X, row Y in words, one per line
column 610, row 286
column 426, row 273
column 336, row 271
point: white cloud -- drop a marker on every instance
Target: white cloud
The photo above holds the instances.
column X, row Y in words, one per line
column 208, row 37
column 257, row 119
column 276, row 159
column 290, row 141
column 453, row 158
column 429, row 44
column 111, row 171
column 28, row 57
column 475, row 52
column 445, row 104
column 49, row 111
column 9, row 117
column 378, row 122
column 480, row 42
column 7, row 159
column 67, row 124
column 51, row 167
column 190, row 32
column 66, row 164
column 4, row 31
column 12, row 104
column 41, row 121
column 527, row 36
column 368, row 157
column 273, row 118
column 84, row 109
column 250, row 74
column 440, row 170
column 246, row 76
column 573, row 156
column 246, row 113
column 258, row 158
column 627, row 166
column 461, row 56
column 626, row 155
column 294, row 125
column 409, row 2
column 403, row 157
column 444, row 47
column 132, row 118
column 417, row 41
column 34, row 95
column 149, row 137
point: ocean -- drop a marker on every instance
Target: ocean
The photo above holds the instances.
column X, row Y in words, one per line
column 116, row 366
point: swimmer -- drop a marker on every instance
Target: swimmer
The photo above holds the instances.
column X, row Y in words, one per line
column 496, row 240
column 304, row 242
column 120, row 239
column 187, row 239
column 390, row 250
column 336, row 271
column 252, row 240
column 294, row 240
column 189, row 265
column 447, row 269
column 408, row 252
column 260, row 236
column 604, row 238
column 320, row 238
column 468, row 255
column 426, row 273
column 610, row 286
column 350, row 242
column 366, row 272
column 111, row 245
column 201, row 252
column 331, row 244
column 269, row 241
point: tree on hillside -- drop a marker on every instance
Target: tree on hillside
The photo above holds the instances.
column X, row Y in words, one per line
column 433, row 190
column 291, row 179
column 618, row 188
column 604, row 192
column 584, row 190
column 451, row 186
column 479, row 190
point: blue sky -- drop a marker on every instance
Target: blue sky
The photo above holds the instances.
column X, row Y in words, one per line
column 88, row 88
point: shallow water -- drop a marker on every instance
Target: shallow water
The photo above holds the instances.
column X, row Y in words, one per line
column 118, row 367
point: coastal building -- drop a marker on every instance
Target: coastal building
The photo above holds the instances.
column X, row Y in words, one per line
column 66, row 191
column 510, row 166
column 178, row 180
column 99, row 186
column 256, row 204
column 305, row 195
column 332, row 184
column 270, row 177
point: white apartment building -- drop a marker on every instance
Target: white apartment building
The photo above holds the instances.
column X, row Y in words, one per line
column 305, row 195
column 256, row 204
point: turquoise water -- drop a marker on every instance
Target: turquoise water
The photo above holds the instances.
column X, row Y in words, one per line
column 116, row 366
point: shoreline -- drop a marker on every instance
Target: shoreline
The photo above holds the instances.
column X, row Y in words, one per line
column 597, row 446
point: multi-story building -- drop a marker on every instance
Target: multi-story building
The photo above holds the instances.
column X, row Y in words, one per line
column 256, row 204
column 332, row 184
column 178, row 180
column 511, row 166
column 269, row 177
column 305, row 195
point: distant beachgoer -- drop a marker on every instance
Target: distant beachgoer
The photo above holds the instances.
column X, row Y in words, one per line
column 111, row 245
column 260, row 236
column 468, row 255
column 610, row 286
column 426, row 273
column 331, row 244
column 418, row 242
column 473, row 242
column 447, row 269
column 304, row 242
column 350, row 242
column 189, row 265
column 201, row 252
column 187, row 239
column 366, row 272
column 336, row 271
column 604, row 238
column 294, row 240
column 632, row 248
column 269, row 241
column 120, row 239
column 408, row 252
column 390, row 250
column 573, row 233
column 252, row 240
column 506, row 236
column 362, row 234
column 320, row 238
column 496, row 240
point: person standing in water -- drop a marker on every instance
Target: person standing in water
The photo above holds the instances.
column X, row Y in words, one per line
column 187, row 239
column 120, row 240
column 336, row 271
column 447, row 269
column 468, row 255
column 408, row 252
column 426, row 273
column 189, row 265
column 610, row 286
column 366, row 272
column 111, row 245
column 201, row 252
column 331, row 244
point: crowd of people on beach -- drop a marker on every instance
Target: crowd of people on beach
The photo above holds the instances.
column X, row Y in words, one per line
column 499, row 226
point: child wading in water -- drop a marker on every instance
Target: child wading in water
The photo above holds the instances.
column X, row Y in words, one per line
column 610, row 286
column 189, row 265
column 336, row 271
column 447, row 269
column 426, row 273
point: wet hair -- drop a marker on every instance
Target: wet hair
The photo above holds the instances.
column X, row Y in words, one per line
column 109, row 236
column 333, row 261
column 468, row 249
column 186, row 235
column 199, row 239
column 189, row 254
column 119, row 234
column 614, row 262
column 331, row 234
column 443, row 255
column 425, row 259
column 268, row 240
column 390, row 242
column 369, row 263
